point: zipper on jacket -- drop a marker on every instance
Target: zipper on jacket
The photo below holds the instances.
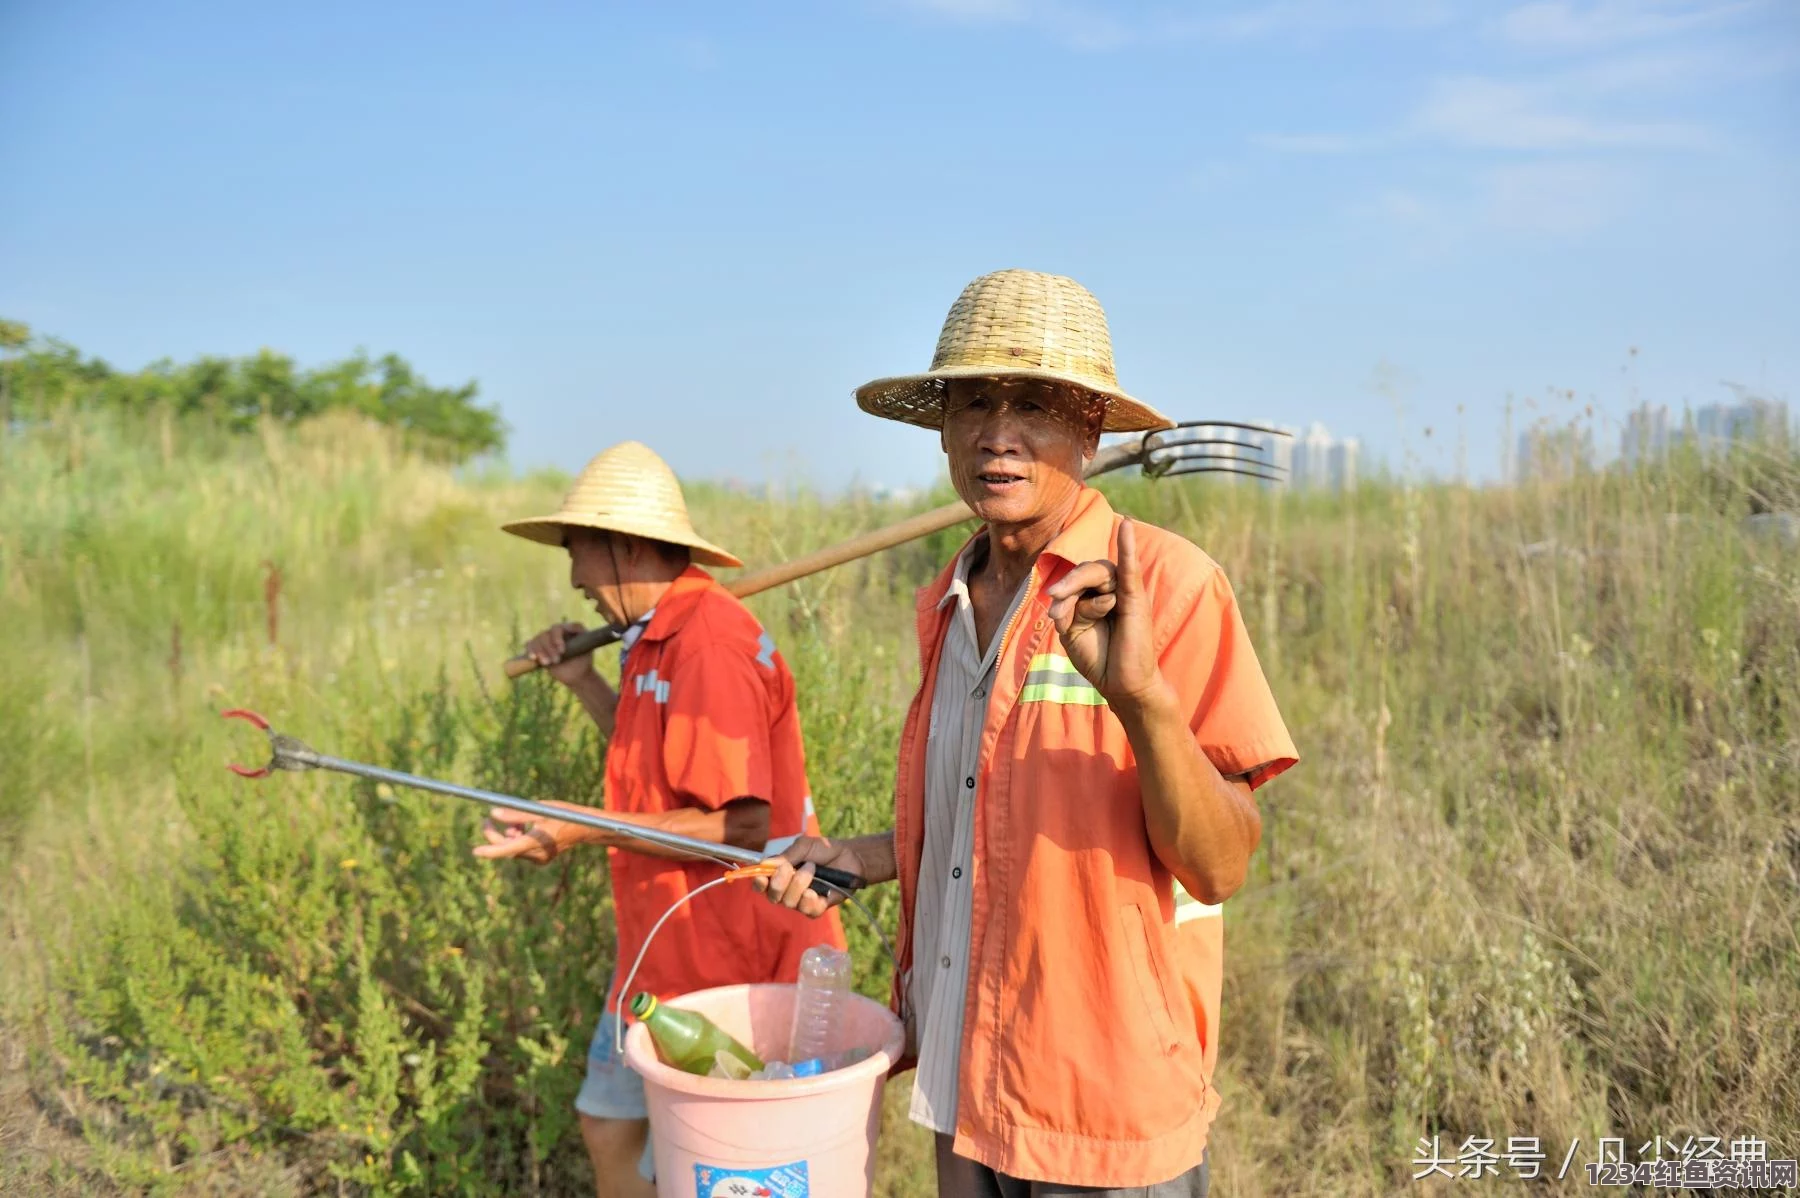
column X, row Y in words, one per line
column 1018, row 612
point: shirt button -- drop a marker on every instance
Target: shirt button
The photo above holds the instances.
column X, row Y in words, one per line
column 944, row 961
column 981, row 692
column 969, row 782
column 957, row 872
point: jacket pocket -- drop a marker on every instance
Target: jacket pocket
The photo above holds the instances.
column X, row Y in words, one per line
column 1148, row 977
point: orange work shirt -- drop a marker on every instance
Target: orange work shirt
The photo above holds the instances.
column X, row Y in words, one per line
column 1091, row 1016
column 706, row 715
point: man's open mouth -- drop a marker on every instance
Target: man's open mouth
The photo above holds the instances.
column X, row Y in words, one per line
column 999, row 478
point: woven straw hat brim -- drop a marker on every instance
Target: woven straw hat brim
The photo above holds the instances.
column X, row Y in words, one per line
column 549, row 530
column 625, row 489
column 1016, row 324
column 919, row 398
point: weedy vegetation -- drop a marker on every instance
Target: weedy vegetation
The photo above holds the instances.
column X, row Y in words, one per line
column 1538, row 873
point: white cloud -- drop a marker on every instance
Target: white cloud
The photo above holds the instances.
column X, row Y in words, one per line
column 1404, row 206
column 1497, row 114
column 1559, row 24
column 1078, row 26
column 1475, row 112
column 697, row 53
column 1316, row 143
column 1568, row 25
column 1090, row 24
column 1213, row 176
column 1426, row 227
column 1557, row 198
column 1560, row 199
column 1313, row 18
column 977, row 10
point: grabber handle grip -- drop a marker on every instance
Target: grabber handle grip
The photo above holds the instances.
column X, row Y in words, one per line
column 575, row 646
column 828, row 882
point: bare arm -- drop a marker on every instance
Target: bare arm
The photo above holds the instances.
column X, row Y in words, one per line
column 1202, row 826
column 598, row 699
column 742, row 822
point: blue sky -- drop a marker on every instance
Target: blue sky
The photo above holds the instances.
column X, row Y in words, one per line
column 702, row 225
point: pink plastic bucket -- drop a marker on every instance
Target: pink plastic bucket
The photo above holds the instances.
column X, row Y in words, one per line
column 809, row 1137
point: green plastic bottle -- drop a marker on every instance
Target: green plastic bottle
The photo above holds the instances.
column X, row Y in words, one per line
column 686, row 1039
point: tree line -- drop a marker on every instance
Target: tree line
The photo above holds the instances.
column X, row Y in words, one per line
column 42, row 376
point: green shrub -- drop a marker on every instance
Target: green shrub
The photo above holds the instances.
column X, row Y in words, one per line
column 330, row 973
column 1537, row 873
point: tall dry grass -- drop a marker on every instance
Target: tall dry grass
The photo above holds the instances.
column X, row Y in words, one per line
column 1538, row 873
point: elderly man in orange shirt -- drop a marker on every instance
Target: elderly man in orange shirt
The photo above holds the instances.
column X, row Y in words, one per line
column 1074, row 793
column 703, row 740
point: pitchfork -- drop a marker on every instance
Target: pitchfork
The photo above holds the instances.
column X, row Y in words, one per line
column 1187, row 448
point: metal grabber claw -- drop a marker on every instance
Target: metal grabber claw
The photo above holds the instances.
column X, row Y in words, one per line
column 250, row 717
column 285, row 753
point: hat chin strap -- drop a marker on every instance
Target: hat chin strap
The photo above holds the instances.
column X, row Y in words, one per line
column 612, row 551
column 626, row 616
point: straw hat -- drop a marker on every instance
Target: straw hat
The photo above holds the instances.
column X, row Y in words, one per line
column 1016, row 323
column 625, row 489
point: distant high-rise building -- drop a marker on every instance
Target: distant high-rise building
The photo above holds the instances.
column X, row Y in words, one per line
column 1550, row 453
column 1319, row 461
column 1314, row 459
column 1646, row 435
column 1718, row 426
column 1272, row 449
column 1278, row 451
column 1340, row 465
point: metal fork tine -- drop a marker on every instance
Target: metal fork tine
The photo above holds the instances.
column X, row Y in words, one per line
column 1169, row 455
column 1178, row 468
column 1204, row 441
column 1255, row 428
column 1186, row 458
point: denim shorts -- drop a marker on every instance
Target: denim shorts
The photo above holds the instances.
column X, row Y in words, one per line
column 611, row 1090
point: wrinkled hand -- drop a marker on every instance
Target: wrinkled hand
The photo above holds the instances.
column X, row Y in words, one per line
column 791, row 884
column 546, row 648
column 510, row 833
column 1102, row 616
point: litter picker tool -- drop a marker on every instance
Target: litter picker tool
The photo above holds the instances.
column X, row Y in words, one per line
column 289, row 753
column 1192, row 447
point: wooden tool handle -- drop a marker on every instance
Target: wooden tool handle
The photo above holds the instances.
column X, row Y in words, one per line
column 770, row 577
column 866, row 545
column 579, row 645
column 924, row 524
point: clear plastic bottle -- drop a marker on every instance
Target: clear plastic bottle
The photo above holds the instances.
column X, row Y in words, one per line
column 824, row 981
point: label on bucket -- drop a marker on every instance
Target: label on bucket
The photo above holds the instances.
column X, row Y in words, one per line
column 783, row 1181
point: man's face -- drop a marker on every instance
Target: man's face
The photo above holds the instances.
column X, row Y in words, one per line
column 1017, row 447
column 594, row 566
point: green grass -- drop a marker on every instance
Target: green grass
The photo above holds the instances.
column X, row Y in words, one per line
column 1538, row 872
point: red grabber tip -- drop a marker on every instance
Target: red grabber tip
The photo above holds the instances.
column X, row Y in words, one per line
column 249, row 717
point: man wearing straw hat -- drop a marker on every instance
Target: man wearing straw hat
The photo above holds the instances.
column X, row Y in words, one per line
column 1074, row 792
column 704, row 740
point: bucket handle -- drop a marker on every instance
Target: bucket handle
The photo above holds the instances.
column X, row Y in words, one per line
column 749, row 871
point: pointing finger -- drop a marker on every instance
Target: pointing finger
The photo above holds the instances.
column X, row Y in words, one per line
column 1130, row 580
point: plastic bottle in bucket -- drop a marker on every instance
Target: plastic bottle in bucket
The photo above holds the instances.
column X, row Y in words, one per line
column 801, row 1137
column 818, row 1004
column 688, row 1040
